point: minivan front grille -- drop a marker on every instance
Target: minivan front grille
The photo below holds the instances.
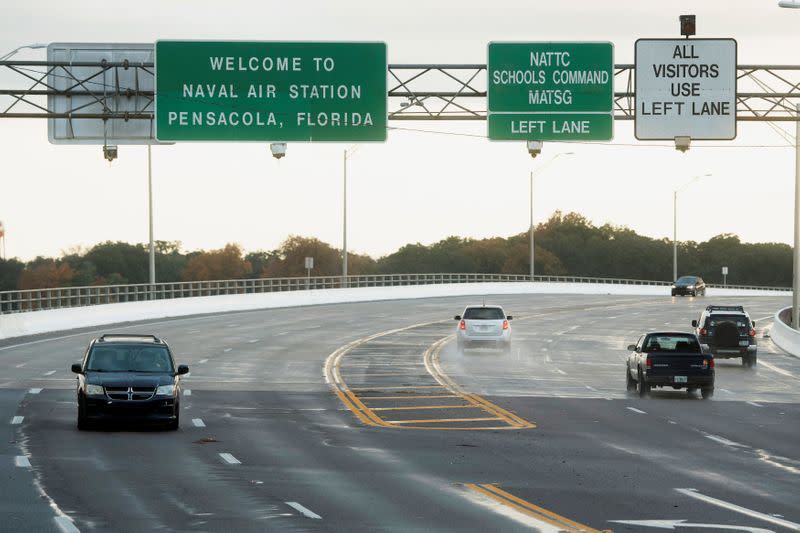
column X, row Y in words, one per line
column 130, row 393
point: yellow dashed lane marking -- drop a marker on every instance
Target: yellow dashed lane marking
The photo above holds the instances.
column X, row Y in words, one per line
column 370, row 416
column 539, row 513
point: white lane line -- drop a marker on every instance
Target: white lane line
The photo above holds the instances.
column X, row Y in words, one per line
column 726, row 391
column 226, row 350
column 17, row 420
column 308, row 513
column 253, row 341
column 692, row 493
column 776, row 369
column 21, row 365
column 230, row 459
column 22, row 461
column 198, row 422
column 66, row 525
column 635, row 410
column 35, row 390
column 561, row 371
column 726, row 442
column 591, row 388
column 187, row 392
column 754, row 404
column 203, row 361
column 50, row 373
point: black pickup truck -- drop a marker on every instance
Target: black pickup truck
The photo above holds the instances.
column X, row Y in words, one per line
column 669, row 359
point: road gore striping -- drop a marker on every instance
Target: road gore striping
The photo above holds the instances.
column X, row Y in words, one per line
column 17, row 420
column 22, row 461
column 36, row 390
column 408, row 391
column 66, row 524
column 198, row 422
column 538, row 513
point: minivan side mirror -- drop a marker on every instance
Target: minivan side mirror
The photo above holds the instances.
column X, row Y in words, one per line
column 183, row 369
column 76, row 368
column 694, row 323
column 631, row 347
column 509, row 317
column 457, row 317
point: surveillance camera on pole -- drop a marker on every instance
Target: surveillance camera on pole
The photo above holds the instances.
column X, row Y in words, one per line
column 278, row 150
column 535, row 148
column 791, row 4
column 110, row 153
column 682, row 143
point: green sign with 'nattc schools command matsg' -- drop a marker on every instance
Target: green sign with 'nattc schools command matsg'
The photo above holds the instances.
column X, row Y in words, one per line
column 550, row 91
column 270, row 91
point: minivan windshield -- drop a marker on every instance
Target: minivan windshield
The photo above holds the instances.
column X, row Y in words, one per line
column 129, row 358
column 483, row 313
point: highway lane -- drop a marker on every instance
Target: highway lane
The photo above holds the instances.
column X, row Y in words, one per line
column 305, row 462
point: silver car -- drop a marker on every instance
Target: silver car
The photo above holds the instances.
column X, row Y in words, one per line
column 483, row 324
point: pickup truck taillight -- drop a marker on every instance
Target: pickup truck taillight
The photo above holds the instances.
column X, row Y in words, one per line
column 462, row 325
column 703, row 331
column 648, row 362
column 752, row 332
column 708, row 363
column 505, row 324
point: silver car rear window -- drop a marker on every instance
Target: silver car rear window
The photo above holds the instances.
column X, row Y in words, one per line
column 483, row 313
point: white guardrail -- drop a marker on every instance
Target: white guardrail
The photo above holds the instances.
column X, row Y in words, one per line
column 67, row 297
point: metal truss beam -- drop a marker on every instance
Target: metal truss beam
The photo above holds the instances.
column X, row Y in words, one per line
column 445, row 92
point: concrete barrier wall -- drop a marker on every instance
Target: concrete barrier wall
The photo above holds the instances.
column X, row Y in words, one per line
column 783, row 335
column 37, row 322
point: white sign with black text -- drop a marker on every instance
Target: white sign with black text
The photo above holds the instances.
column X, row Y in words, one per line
column 685, row 87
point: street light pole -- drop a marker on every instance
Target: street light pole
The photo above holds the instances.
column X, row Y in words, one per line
column 150, row 216
column 675, row 223
column 796, row 273
column 344, row 224
column 531, row 228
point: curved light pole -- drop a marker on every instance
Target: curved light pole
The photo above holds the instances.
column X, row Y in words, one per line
column 347, row 152
column 530, row 229
column 32, row 46
column 675, row 223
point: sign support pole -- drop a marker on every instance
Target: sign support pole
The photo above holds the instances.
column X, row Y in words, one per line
column 531, row 227
column 150, row 216
column 796, row 273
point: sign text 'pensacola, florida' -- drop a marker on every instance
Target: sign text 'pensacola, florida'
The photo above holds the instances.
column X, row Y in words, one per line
column 270, row 91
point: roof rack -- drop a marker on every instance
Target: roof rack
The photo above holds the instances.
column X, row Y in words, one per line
column 111, row 336
column 736, row 308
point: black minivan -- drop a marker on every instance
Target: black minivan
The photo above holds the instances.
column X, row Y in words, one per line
column 689, row 285
column 131, row 378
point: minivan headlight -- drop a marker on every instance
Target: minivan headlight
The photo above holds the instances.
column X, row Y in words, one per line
column 165, row 390
column 94, row 390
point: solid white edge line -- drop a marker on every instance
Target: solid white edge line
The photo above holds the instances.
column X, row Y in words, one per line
column 726, row 442
column 308, row 513
column 65, row 524
column 743, row 510
column 635, row 410
column 22, row 461
column 50, row 373
column 35, row 390
column 17, row 420
column 230, row 459
column 198, row 422
column 754, row 404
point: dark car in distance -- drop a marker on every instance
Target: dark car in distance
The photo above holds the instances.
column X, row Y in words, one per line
column 669, row 359
column 689, row 286
column 128, row 378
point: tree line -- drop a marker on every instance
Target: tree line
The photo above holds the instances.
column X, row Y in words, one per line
column 566, row 244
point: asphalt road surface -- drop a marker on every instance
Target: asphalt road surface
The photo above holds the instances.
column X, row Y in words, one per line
column 364, row 417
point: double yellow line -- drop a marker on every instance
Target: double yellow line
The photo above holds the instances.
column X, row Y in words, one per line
column 539, row 513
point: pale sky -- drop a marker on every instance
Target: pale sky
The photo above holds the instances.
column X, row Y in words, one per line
column 415, row 187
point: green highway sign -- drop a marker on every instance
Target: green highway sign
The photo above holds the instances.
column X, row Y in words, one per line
column 551, row 126
column 270, row 91
column 550, row 91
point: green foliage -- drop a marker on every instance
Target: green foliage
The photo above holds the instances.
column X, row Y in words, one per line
column 10, row 271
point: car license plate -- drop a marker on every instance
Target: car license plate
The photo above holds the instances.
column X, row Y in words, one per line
column 744, row 343
column 680, row 379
